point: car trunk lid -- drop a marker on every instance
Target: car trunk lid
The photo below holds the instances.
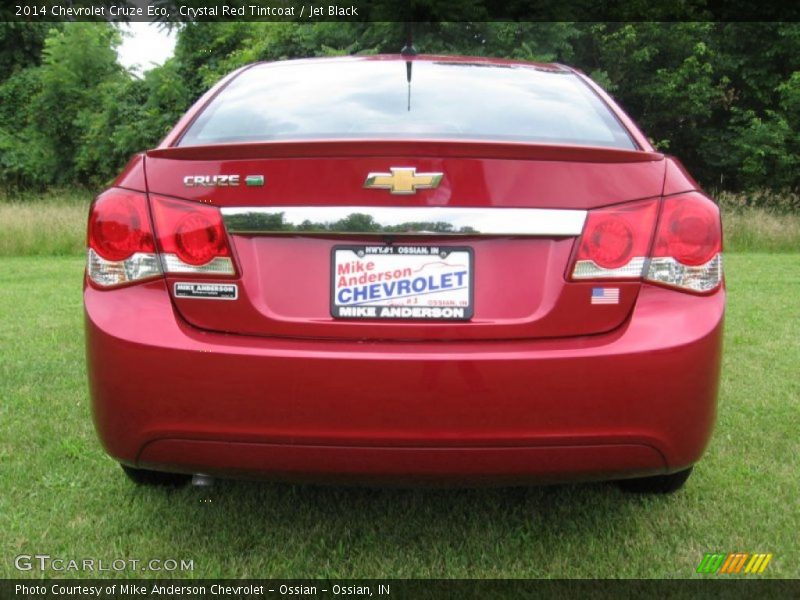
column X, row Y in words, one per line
column 508, row 214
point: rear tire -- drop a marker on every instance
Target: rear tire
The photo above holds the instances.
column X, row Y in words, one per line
column 660, row 484
column 145, row 477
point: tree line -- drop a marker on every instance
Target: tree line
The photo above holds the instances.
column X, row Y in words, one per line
column 723, row 97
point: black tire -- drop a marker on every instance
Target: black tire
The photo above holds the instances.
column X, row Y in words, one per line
column 660, row 484
column 145, row 477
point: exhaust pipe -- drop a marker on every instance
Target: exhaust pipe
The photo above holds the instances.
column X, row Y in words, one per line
column 199, row 480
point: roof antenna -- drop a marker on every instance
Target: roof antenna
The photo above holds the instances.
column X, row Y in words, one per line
column 409, row 51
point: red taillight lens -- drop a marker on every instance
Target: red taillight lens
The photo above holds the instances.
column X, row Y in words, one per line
column 689, row 230
column 198, row 239
column 192, row 237
column 615, row 241
column 686, row 252
column 119, row 225
column 120, row 240
column 608, row 242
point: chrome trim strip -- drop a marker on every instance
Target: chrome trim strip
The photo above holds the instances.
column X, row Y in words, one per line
column 402, row 220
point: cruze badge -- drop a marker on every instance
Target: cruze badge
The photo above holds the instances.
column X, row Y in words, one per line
column 222, row 180
column 403, row 180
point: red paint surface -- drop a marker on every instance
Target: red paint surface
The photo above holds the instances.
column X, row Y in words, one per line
column 539, row 385
column 651, row 382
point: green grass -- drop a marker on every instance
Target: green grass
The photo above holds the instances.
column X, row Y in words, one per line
column 62, row 496
column 51, row 224
column 759, row 230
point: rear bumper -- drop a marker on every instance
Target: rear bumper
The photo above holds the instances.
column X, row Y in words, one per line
column 636, row 401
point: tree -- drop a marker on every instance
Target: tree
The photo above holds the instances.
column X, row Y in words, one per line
column 724, row 97
column 133, row 115
column 21, row 45
column 78, row 62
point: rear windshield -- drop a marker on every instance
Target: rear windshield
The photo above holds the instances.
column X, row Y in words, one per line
column 373, row 99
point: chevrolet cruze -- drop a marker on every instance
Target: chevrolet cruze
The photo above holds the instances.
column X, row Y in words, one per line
column 405, row 269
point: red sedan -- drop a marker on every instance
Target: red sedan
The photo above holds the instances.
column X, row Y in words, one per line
column 427, row 269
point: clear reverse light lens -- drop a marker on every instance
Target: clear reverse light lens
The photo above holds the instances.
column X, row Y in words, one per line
column 220, row 265
column 588, row 269
column 137, row 267
column 702, row 278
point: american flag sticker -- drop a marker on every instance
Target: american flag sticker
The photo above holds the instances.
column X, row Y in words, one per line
column 605, row 295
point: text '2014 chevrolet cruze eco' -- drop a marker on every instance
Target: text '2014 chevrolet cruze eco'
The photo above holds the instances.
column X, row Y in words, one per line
column 385, row 268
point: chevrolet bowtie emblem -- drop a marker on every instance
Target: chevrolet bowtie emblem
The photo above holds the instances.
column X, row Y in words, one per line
column 403, row 180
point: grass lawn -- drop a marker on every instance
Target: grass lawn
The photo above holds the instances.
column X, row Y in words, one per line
column 62, row 496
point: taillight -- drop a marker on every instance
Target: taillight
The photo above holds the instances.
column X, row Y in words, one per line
column 615, row 241
column 191, row 237
column 686, row 251
column 120, row 240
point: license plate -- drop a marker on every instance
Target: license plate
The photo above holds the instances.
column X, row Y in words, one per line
column 402, row 282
